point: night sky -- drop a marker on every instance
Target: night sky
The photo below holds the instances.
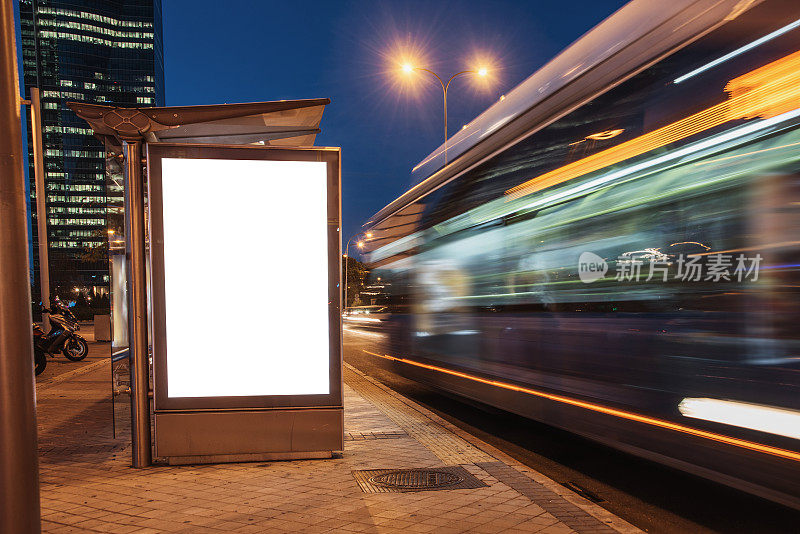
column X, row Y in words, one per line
column 248, row 51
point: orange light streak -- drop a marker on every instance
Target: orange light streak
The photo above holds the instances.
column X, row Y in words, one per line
column 775, row 451
column 608, row 134
column 765, row 92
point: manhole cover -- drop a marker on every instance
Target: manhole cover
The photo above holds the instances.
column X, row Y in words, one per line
column 400, row 480
column 415, row 479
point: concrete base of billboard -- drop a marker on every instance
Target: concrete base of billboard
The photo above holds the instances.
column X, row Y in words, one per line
column 251, row 435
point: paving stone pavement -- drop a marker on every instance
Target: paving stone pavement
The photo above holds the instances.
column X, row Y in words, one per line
column 87, row 484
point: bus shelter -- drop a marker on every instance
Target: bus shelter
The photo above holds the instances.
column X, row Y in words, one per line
column 235, row 338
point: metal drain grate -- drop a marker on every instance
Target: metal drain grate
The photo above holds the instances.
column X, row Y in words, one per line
column 402, row 480
column 583, row 492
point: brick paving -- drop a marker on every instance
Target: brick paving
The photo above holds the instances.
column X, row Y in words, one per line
column 87, row 483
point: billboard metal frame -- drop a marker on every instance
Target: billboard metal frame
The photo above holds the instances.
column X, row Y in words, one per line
column 165, row 404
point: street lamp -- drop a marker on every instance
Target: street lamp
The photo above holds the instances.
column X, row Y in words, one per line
column 359, row 244
column 409, row 68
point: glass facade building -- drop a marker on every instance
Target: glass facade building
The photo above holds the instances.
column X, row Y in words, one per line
column 95, row 51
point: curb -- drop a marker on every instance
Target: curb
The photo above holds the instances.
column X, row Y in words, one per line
column 600, row 513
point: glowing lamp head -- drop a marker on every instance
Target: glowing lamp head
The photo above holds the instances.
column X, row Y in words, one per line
column 360, row 244
column 369, row 235
column 483, row 71
column 408, row 68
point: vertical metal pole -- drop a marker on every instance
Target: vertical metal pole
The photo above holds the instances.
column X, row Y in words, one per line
column 445, row 120
column 141, row 454
column 19, row 462
column 41, row 203
column 346, row 261
column 113, row 401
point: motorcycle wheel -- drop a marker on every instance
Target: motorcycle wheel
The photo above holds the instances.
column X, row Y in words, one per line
column 39, row 362
column 75, row 349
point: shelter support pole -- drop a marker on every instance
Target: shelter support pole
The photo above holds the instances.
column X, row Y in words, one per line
column 19, row 462
column 41, row 204
column 137, row 304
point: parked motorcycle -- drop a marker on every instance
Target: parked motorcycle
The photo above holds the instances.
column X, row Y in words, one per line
column 39, row 356
column 61, row 337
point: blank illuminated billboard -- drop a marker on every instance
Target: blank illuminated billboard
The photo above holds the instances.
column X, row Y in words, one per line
column 246, row 288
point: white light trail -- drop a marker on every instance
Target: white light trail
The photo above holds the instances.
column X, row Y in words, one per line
column 362, row 319
column 779, row 421
column 738, row 51
column 362, row 333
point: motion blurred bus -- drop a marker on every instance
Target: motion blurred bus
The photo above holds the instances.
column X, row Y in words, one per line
column 613, row 248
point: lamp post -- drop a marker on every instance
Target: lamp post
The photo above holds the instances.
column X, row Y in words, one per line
column 360, row 244
column 35, row 104
column 408, row 68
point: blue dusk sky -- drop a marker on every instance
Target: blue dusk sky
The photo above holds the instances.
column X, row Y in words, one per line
column 247, row 51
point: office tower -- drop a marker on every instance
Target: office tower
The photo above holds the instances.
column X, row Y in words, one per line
column 93, row 51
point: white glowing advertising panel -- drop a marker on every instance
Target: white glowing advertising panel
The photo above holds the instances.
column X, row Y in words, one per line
column 245, row 250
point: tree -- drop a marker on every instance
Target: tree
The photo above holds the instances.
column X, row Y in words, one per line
column 98, row 252
column 356, row 276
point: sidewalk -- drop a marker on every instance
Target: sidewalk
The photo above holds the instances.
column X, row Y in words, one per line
column 87, row 483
